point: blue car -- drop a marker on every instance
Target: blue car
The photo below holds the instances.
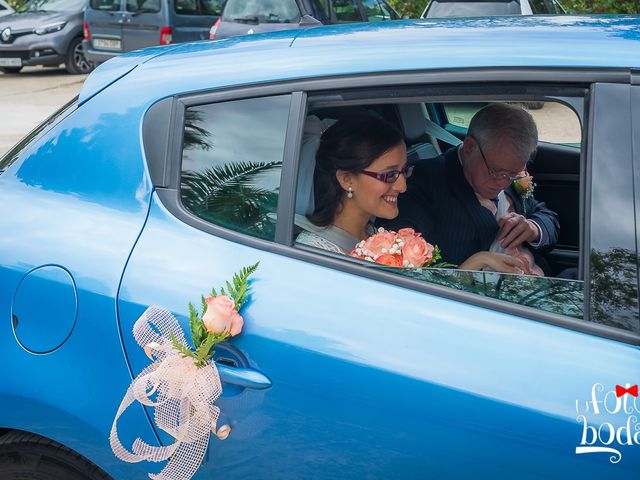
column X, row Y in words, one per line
column 176, row 166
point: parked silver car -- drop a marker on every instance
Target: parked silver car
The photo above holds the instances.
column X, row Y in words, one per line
column 45, row 32
column 5, row 8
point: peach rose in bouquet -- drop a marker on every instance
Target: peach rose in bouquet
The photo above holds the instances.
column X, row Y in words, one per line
column 405, row 248
column 417, row 252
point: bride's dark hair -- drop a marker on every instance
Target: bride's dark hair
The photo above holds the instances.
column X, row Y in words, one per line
column 351, row 144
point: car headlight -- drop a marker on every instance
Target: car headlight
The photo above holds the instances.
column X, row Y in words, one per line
column 50, row 28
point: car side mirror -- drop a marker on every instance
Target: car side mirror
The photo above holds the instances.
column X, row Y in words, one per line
column 309, row 21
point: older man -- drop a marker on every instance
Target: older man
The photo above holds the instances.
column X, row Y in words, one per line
column 465, row 200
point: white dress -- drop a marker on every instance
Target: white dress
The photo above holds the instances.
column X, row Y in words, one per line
column 330, row 238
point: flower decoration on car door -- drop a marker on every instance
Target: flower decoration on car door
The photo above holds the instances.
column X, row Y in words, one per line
column 183, row 383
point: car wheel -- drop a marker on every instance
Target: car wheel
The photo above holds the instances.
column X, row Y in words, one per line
column 76, row 62
column 25, row 455
column 11, row 69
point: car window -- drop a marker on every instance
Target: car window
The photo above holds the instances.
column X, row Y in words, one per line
column 346, row 11
column 211, row 7
column 556, row 122
column 198, row 7
column 143, row 6
column 54, row 5
column 376, row 11
column 106, row 5
column 556, row 181
column 230, row 175
column 266, row 11
column 444, row 8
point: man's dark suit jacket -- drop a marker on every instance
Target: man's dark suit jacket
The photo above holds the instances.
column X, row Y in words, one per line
column 440, row 204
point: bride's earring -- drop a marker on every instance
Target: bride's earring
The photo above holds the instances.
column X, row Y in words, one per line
column 350, row 193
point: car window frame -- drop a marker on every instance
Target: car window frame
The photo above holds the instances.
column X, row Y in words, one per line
column 166, row 172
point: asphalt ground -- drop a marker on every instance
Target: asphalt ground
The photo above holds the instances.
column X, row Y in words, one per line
column 29, row 97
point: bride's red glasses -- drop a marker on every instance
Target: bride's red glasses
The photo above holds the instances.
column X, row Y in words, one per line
column 390, row 176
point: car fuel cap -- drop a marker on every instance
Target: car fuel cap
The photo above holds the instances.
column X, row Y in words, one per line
column 44, row 309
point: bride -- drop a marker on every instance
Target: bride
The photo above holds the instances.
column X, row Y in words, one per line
column 361, row 168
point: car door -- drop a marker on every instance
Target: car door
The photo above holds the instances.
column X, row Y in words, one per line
column 142, row 24
column 342, row 370
column 192, row 19
column 104, row 18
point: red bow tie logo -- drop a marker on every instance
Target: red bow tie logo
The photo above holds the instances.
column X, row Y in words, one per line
column 620, row 390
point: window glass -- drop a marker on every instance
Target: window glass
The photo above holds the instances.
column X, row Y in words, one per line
column 375, row 11
column 555, row 180
column 324, row 4
column 471, row 9
column 554, row 7
column 143, row 6
column 211, row 7
column 186, row 7
column 106, row 5
column 231, row 163
column 266, row 11
column 556, row 122
column 539, row 7
column 346, row 11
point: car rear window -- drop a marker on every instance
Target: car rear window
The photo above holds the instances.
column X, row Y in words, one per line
column 143, row 6
column 444, row 8
column 262, row 11
column 105, row 5
column 199, row 7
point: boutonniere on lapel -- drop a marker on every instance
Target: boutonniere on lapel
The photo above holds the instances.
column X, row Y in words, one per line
column 524, row 186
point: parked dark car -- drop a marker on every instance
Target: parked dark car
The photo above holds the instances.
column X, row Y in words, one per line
column 481, row 8
column 116, row 26
column 241, row 17
column 45, row 32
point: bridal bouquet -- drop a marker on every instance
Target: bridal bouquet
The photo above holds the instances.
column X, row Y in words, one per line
column 182, row 383
column 405, row 248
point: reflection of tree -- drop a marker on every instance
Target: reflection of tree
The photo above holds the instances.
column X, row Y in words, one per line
column 614, row 276
column 228, row 196
column 549, row 294
column 195, row 136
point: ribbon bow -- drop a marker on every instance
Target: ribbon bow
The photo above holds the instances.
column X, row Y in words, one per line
column 181, row 393
column 620, row 390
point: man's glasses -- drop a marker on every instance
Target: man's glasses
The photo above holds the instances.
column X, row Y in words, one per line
column 391, row 176
column 500, row 176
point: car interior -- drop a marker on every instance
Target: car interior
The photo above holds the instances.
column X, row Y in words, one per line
column 428, row 132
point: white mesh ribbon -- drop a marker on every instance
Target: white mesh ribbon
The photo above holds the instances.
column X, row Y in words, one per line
column 181, row 393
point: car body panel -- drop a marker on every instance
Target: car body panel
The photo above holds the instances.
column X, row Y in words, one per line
column 67, row 394
column 426, row 46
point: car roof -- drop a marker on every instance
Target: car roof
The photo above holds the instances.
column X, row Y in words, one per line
column 417, row 45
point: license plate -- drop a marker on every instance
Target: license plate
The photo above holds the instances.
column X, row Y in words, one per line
column 10, row 62
column 106, row 43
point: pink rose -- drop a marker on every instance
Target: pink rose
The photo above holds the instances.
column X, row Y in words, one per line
column 236, row 324
column 381, row 240
column 407, row 233
column 417, row 251
column 221, row 316
column 389, row 260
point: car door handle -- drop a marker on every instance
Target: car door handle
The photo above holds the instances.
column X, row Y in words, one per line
column 243, row 377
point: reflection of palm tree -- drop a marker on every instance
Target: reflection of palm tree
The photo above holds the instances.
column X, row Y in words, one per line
column 228, row 196
column 614, row 277
column 195, row 136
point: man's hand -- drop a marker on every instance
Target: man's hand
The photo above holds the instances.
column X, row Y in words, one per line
column 515, row 229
